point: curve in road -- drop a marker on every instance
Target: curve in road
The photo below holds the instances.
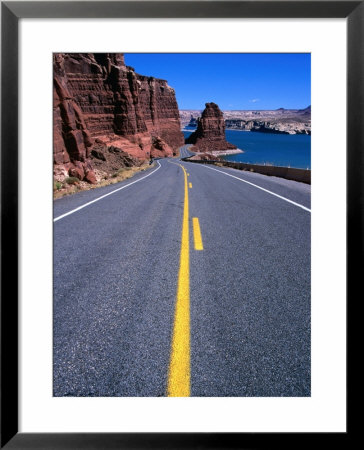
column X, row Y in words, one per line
column 117, row 265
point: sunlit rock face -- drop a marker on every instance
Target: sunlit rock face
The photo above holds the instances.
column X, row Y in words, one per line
column 98, row 99
column 210, row 133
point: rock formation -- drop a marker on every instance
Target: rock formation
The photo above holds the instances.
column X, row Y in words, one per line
column 204, row 157
column 210, row 133
column 192, row 122
column 100, row 102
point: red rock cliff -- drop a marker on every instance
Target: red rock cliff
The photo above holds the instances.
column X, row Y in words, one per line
column 98, row 99
column 210, row 133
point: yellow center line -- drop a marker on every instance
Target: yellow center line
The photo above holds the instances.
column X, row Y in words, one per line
column 197, row 234
column 179, row 368
column 190, row 185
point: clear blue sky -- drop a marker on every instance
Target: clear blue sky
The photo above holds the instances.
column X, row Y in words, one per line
column 232, row 80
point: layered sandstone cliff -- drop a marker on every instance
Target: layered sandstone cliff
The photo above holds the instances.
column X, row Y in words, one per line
column 210, row 133
column 101, row 104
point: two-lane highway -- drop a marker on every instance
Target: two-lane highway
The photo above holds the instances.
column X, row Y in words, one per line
column 194, row 280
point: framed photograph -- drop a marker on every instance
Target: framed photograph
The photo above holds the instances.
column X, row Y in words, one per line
column 177, row 249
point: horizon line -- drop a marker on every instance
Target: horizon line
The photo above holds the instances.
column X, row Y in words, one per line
column 274, row 109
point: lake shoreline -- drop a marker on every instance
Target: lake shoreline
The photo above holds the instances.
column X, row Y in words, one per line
column 284, row 150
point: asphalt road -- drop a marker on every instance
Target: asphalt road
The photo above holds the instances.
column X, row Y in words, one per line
column 120, row 263
column 185, row 152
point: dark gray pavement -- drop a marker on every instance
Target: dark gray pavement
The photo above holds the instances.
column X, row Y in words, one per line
column 115, row 278
column 185, row 152
column 250, row 305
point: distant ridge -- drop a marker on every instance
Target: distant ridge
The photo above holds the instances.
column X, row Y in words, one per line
column 281, row 120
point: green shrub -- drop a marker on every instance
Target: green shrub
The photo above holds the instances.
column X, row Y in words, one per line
column 57, row 185
column 72, row 180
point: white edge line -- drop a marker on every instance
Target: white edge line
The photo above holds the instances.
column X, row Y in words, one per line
column 103, row 196
column 265, row 190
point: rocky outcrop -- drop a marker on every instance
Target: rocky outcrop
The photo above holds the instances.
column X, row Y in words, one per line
column 204, row 157
column 269, row 127
column 99, row 101
column 281, row 128
column 192, row 122
column 210, row 133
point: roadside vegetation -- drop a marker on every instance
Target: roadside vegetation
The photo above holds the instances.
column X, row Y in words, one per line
column 72, row 185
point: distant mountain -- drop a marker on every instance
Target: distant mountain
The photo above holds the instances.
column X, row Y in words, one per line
column 305, row 112
column 308, row 109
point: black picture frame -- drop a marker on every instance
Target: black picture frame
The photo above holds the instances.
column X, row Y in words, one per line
column 11, row 12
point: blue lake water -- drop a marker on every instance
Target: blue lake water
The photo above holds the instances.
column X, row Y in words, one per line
column 292, row 150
